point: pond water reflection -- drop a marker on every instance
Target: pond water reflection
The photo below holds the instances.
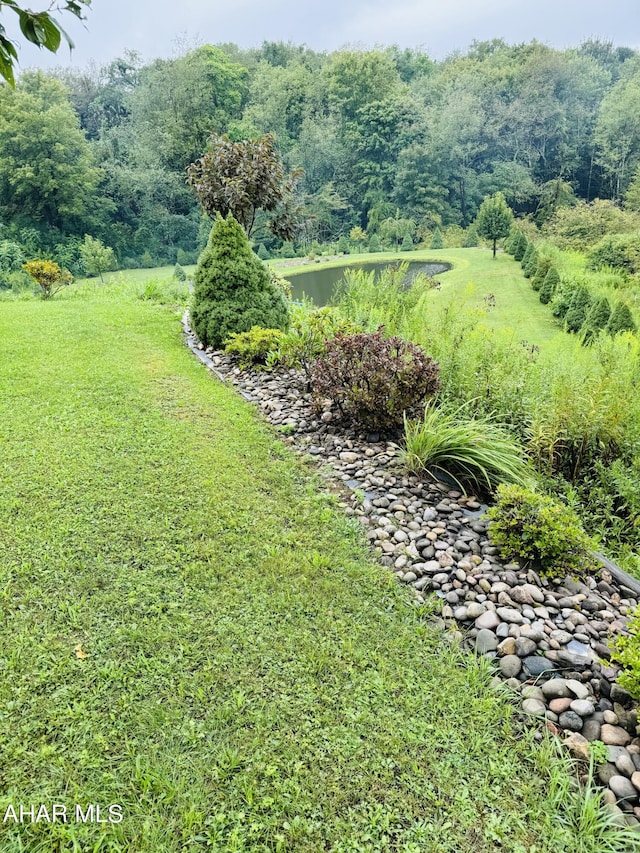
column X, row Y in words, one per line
column 318, row 284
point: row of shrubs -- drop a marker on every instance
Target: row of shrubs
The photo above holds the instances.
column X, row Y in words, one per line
column 382, row 383
column 581, row 311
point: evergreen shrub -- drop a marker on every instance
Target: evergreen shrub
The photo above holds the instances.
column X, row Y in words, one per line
column 531, row 266
column 621, row 319
column 577, row 313
column 253, row 346
column 233, row 290
column 532, row 527
column 436, row 240
column 542, row 268
column 520, row 245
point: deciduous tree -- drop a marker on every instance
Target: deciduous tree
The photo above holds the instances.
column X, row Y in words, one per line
column 494, row 219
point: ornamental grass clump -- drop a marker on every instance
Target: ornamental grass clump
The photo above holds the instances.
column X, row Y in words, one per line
column 474, row 451
column 374, row 380
column 534, row 528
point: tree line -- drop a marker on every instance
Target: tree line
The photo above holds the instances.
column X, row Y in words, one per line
column 387, row 145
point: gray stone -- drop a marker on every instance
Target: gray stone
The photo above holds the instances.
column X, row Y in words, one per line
column 530, row 691
column 619, row 694
column 556, row 688
column 606, row 772
column 525, row 647
column 534, row 707
column 475, row 609
column 489, row 620
column 511, row 615
column 536, row 665
column 591, row 729
column 579, row 690
column 507, row 647
column 614, row 735
column 486, row 641
column 570, row 720
column 582, row 707
column 625, row 765
column 510, row 666
column 623, row 788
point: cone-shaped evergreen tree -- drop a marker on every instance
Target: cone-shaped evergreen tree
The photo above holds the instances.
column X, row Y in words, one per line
column 621, row 319
column 527, row 255
column 542, row 268
column 596, row 319
column 436, row 240
column 512, row 239
column 577, row 313
column 233, row 290
column 262, row 252
column 532, row 265
column 407, row 244
column 549, row 285
column 470, row 238
column 520, row 247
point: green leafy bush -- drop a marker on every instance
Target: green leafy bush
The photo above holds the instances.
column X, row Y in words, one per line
column 472, row 450
column 178, row 273
column 532, row 527
column 471, row 238
column 253, row 346
column 374, row 244
column 233, row 290
column 529, row 252
column 627, row 653
column 374, row 380
column 596, row 319
column 263, row 253
column 307, row 336
column 620, row 251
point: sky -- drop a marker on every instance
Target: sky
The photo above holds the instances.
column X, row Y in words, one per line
column 162, row 29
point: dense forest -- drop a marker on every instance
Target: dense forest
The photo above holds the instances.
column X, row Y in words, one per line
column 392, row 143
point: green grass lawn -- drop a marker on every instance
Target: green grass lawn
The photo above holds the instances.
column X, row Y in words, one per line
column 191, row 631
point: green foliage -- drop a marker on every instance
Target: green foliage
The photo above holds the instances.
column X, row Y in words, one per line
column 542, row 268
column 494, row 219
column 232, row 288
column 529, row 253
column 627, row 653
column 307, row 336
column 597, row 318
column 11, row 256
column 436, row 240
column 520, row 245
column 532, row 527
column 178, row 273
column 49, row 276
column 242, row 178
column 577, row 313
column 253, row 346
column 262, row 252
column 581, row 226
column 374, row 380
column 475, row 451
column 407, row 244
column 531, row 266
column 344, row 247
column 96, row 257
column 619, row 251
column 621, row 319
column 48, row 175
column 562, row 295
column 39, row 28
column 470, row 240
column 374, row 243
column 146, row 260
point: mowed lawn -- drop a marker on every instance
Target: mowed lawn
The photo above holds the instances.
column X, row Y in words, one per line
column 190, row 631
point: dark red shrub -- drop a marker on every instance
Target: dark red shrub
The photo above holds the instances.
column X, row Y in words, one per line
column 373, row 380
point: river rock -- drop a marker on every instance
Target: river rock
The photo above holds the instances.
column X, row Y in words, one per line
column 534, row 707
column 489, row 620
column 582, row 707
column 536, row 665
column 623, row 788
column 511, row 615
column 570, row 720
column 614, row 735
column 486, row 641
column 510, row 666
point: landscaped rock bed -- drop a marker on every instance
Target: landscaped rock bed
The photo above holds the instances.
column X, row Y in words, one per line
column 550, row 639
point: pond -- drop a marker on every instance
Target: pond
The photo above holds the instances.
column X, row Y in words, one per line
column 318, row 284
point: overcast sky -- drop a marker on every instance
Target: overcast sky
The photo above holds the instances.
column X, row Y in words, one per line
column 440, row 26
